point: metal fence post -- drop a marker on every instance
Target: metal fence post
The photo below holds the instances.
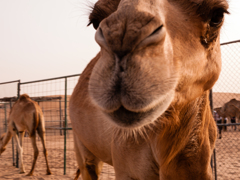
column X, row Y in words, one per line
column 215, row 163
column 211, row 99
column 13, row 155
column 18, row 95
column 213, row 159
column 65, row 133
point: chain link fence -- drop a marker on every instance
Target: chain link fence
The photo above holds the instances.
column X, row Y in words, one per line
column 8, row 89
column 226, row 105
column 53, row 96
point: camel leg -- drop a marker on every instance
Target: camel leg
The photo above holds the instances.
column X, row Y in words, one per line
column 228, row 122
column 41, row 133
column 34, row 144
column 237, row 120
column 89, row 166
column 223, row 122
column 20, row 150
column 219, row 132
column 21, row 136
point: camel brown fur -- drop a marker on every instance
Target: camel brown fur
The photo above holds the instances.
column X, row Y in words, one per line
column 142, row 104
column 25, row 115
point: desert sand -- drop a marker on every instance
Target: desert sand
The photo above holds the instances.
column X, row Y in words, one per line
column 227, row 159
column 55, row 147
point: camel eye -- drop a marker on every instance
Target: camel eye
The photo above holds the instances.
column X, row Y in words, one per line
column 217, row 17
column 95, row 23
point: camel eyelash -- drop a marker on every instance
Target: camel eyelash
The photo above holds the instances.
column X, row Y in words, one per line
column 96, row 16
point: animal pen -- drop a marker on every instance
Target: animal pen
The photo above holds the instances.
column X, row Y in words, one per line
column 53, row 96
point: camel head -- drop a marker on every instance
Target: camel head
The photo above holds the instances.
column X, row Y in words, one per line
column 2, row 149
column 218, row 109
column 23, row 97
column 154, row 54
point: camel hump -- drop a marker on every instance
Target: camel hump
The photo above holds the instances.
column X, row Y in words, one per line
column 234, row 99
column 23, row 97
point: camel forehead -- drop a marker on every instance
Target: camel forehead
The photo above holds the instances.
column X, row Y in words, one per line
column 190, row 7
column 200, row 8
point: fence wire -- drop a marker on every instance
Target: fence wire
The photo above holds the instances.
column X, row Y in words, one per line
column 226, row 105
column 53, row 97
column 8, row 89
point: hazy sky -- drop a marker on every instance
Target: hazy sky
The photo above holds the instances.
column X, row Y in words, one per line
column 49, row 38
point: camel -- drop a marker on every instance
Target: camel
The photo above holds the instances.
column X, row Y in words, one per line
column 142, row 104
column 220, row 120
column 229, row 110
column 25, row 115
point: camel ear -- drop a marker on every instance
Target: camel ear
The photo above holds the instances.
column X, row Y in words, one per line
column 101, row 10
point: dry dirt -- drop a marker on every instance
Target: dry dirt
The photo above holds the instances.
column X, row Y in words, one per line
column 227, row 156
column 55, row 147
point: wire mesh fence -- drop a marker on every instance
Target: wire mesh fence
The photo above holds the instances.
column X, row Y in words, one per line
column 226, row 105
column 8, row 89
column 53, row 96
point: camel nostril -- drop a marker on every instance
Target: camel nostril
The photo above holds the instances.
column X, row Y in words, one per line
column 155, row 37
column 99, row 37
column 101, row 33
column 156, row 30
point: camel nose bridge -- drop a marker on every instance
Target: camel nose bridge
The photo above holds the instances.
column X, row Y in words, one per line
column 121, row 36
column 122, row 32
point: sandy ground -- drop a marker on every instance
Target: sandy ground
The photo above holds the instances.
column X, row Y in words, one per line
column 8, row 171
column 55, row 147
column 227, row 156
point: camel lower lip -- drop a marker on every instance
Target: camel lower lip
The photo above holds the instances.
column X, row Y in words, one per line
column 126, row 118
